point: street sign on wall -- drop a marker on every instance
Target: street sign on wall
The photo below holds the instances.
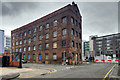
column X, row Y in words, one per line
column 1, row 41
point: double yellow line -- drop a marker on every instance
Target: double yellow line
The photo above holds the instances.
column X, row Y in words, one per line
column 109, row 72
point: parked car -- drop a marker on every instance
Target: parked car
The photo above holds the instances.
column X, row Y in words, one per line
column 23, row 61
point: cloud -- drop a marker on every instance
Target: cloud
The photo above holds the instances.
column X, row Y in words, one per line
column 98, row 18
column 16, row 8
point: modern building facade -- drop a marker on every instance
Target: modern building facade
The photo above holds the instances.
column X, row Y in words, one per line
column 86, row 48
column 107, row 45
column 1, row 41
column 52, row 38
column 7, row 43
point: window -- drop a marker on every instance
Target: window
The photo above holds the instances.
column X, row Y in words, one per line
column 55, row 23
column 39, row 56
column 28, row 57
column 16, row 36
column 24, row 49
column 6, row 54
column 54, row 56
column 77, row 45
column 47, row 36
column 16, row 57
column 73, row 45
column 16, row 50
column 29, row 40
column 54, row 44
column 34, row 30
column 34, row 47
column 80, row 45
column 40, row 47
column 72, row 32
column 40, row 28
column 79, row 35
column 33, row 56
column 64, row 43
column 76, row 23
column 64, row 20
column 79, row 25
column 64, row 31
column 24, row 33
column 29, row 32
column 47, row 46
column 76, row 34
column 34, row 39
column 20, row 34
column 13, row 37
column 47, row 26
column 20, row 42
column 29, row 48
column 72, row 56
column 20, row 50
column 24, row 56
column 24, row 41
column 13, row 44
column 54, row 33
column 72, row 20
column 17, row 43
column 46, row 56
column 40, row 37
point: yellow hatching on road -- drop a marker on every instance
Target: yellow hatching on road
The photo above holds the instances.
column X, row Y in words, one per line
column 109, row 72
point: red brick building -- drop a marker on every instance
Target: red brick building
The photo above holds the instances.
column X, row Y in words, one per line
column 52, row 38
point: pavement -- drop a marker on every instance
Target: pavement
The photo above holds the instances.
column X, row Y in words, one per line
column 13, row 72
column 114, row 74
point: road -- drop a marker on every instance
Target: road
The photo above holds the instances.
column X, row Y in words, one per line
column 81, row 71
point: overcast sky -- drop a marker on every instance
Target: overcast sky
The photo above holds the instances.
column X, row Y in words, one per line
column 99, row 18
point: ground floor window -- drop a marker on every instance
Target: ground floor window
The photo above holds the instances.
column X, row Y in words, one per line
column 46, row 56
column 24, row 56
column 28, row 57
column 16, row 57
column 54, row 56
column 76, row 57
column 72, row 56
column 33, row 56
column 39, row 56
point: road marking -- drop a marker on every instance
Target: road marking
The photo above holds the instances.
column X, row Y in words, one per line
column 109, row 72
column 54, row 70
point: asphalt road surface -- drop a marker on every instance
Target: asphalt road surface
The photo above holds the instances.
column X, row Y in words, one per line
column 81, row 71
